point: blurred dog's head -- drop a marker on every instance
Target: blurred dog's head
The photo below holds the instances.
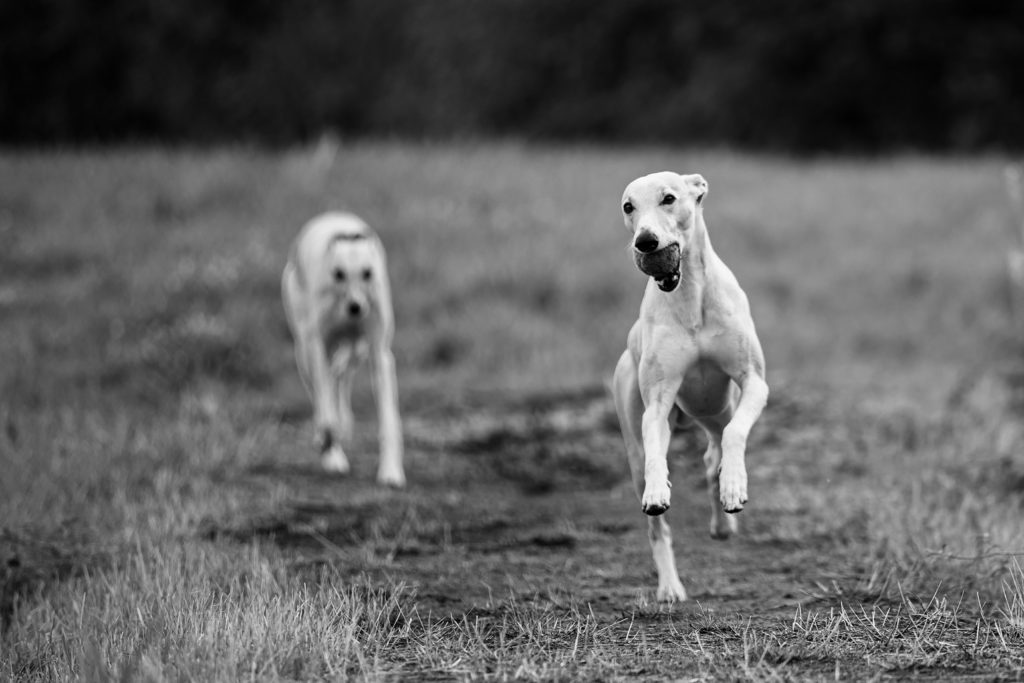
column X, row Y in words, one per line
column 354, row 266
column 661, row 211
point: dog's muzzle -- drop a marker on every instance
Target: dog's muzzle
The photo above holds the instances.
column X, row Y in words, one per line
column 662, row 265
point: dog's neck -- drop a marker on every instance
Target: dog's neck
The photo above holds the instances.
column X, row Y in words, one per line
column 688, row 296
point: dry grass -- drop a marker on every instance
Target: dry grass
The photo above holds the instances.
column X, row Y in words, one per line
column 147, row 374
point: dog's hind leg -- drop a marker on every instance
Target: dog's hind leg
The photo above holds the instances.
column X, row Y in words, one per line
column 670, row 588
column 722, row 525
column 629, row 406
column 301, row 362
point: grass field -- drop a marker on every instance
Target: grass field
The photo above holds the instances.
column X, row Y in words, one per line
column 162, row 515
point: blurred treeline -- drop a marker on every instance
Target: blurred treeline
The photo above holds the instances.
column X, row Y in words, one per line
column 785, row 74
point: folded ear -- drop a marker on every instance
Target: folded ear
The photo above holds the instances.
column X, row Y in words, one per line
column 699, row 185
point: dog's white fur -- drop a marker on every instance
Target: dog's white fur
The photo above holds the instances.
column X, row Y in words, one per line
column 693, row 353
column 338, row 303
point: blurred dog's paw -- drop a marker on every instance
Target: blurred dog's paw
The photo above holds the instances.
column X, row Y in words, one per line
column 393, row 478
column 722, row 526
column 334, row 460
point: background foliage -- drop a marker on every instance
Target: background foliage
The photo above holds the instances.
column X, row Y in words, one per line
column 786, row 74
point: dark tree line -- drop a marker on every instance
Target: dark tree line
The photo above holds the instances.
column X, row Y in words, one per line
column 787, row 74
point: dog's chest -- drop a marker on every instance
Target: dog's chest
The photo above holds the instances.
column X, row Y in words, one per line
column 338, row 326
column 705, row 388
column 342, row 333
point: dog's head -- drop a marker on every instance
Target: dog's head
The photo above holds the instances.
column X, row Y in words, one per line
column 354, row 265
column 661, row 211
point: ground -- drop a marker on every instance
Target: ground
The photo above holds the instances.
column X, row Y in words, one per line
column 163, row 515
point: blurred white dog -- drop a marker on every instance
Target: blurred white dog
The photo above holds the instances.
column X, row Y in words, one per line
column 693, row 353
column 338, row 302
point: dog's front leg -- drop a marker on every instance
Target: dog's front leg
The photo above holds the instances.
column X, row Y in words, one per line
column 732, row 478
column 325, row 407
column 390, row 471
column 658, row 389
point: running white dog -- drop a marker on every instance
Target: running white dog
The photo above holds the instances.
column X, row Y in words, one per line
column 338, row 303
column 693, row 353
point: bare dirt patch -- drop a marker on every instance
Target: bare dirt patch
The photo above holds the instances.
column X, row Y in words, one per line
column 530, row 503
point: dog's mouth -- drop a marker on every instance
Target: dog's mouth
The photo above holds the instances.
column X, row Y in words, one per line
column 662, row 265
column 667, row 284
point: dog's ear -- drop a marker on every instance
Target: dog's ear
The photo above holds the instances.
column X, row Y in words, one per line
column 699, row 185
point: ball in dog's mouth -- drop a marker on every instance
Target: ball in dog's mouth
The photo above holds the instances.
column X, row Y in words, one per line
column 662, row 265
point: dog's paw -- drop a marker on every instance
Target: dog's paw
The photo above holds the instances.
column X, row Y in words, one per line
column 671, row 590
column 722, row 526
column 334, row 460
column 657, row 498
column 733, row 488
column 392, row 478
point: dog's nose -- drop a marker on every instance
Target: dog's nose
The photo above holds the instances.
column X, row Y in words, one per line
column 646, row 242
column 354, row 308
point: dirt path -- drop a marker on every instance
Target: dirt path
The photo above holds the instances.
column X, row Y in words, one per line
column 531, row 502
column 461, row 549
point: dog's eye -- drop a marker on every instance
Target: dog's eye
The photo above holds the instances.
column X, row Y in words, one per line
column 668, row 200
column 339, row 275
column 627, row 208
column 367, row 274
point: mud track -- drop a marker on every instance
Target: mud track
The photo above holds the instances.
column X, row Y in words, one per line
column 533, row 498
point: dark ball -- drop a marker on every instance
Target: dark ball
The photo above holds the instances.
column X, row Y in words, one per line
column 659, row 264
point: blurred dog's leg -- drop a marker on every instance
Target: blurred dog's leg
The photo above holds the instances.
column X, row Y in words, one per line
column 343, row 366
column 391, row 471
column 325, row 409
